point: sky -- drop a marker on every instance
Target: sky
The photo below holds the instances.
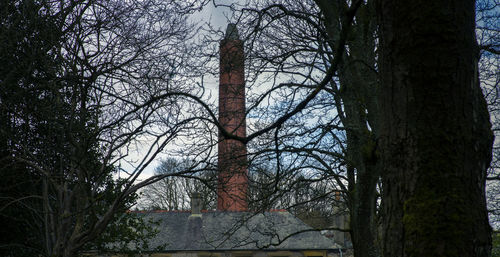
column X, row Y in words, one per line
column 216, row 16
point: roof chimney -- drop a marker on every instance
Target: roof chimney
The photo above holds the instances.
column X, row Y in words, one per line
column 233, row 178
column 196, row 203
column 194, row 228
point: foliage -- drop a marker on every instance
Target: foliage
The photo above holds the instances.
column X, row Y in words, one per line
column 126, row 231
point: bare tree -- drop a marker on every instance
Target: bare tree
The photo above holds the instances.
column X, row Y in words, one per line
column 313, row 109
column 292, row 48
column 488, row 36
column 86, row 85
column 174, row 192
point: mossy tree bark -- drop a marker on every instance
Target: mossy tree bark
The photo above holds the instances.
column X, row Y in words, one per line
column 435, row 140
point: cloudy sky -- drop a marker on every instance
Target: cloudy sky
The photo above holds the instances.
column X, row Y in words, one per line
column 217, row 17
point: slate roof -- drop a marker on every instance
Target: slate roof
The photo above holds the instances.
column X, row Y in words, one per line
column 219, row 231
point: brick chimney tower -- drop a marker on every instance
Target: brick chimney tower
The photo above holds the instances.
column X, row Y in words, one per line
column 232, row 160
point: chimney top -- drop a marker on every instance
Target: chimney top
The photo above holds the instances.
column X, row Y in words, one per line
column 232, row 32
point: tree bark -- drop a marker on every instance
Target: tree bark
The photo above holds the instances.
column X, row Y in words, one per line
column 360, row 155
column 435, row 140
column 358, row 83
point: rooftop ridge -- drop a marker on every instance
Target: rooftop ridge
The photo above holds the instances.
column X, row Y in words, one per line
column 203, row 211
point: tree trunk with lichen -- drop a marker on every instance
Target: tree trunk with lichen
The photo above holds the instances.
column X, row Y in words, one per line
column 435, row 140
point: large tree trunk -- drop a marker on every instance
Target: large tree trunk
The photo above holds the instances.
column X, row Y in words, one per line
column 435, row 139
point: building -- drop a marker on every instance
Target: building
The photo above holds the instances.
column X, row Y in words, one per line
column 232, row 230
column 198, row 233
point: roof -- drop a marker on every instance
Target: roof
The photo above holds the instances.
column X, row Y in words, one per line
column 219, row 231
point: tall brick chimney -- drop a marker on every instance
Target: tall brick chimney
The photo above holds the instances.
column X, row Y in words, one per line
column 233, row 175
